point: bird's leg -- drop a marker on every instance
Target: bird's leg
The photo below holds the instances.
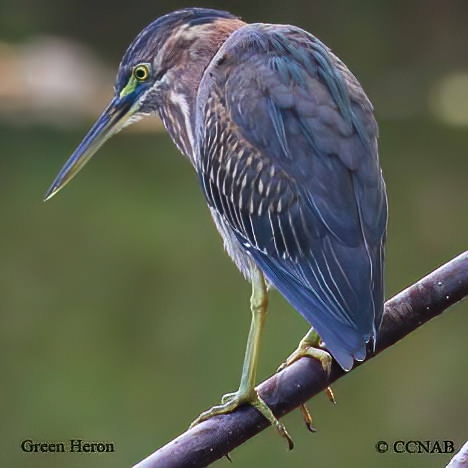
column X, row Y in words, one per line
column 309, row 346
column 247, row 393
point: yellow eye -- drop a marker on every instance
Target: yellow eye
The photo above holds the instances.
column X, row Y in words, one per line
column 141, row 72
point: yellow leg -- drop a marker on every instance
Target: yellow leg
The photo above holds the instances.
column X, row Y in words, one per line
column 247, row 393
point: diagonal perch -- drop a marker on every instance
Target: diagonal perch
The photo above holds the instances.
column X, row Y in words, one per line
column 283, row 392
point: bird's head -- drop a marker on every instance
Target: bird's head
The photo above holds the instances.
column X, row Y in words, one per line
column 159, row 74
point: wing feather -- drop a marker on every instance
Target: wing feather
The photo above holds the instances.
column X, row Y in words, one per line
column 297, row 177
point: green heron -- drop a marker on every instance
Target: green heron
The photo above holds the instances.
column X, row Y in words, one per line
column 284, row 142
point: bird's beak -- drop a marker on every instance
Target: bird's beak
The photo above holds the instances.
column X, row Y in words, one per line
column 111, row 121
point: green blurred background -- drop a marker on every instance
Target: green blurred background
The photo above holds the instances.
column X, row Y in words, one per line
column 121, row 318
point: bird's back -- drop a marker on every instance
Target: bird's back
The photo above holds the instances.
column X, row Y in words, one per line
column 287, row 157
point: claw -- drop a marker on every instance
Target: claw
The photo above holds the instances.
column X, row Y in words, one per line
column 307, row 418
column 330, row 395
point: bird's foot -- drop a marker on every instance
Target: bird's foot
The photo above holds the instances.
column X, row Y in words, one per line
column 310, row 347
column 311, row 350
column 231, row 401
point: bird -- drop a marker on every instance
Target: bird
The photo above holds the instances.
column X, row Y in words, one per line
column 284, row 142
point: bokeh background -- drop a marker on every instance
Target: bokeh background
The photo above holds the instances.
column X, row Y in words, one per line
column 121, row 318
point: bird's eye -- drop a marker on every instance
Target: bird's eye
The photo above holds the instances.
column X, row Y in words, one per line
column 141, row 72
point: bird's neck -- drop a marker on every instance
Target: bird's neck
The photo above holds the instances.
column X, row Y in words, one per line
column 178, row 112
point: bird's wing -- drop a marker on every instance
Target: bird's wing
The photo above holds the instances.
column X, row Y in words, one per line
column 287, row 150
